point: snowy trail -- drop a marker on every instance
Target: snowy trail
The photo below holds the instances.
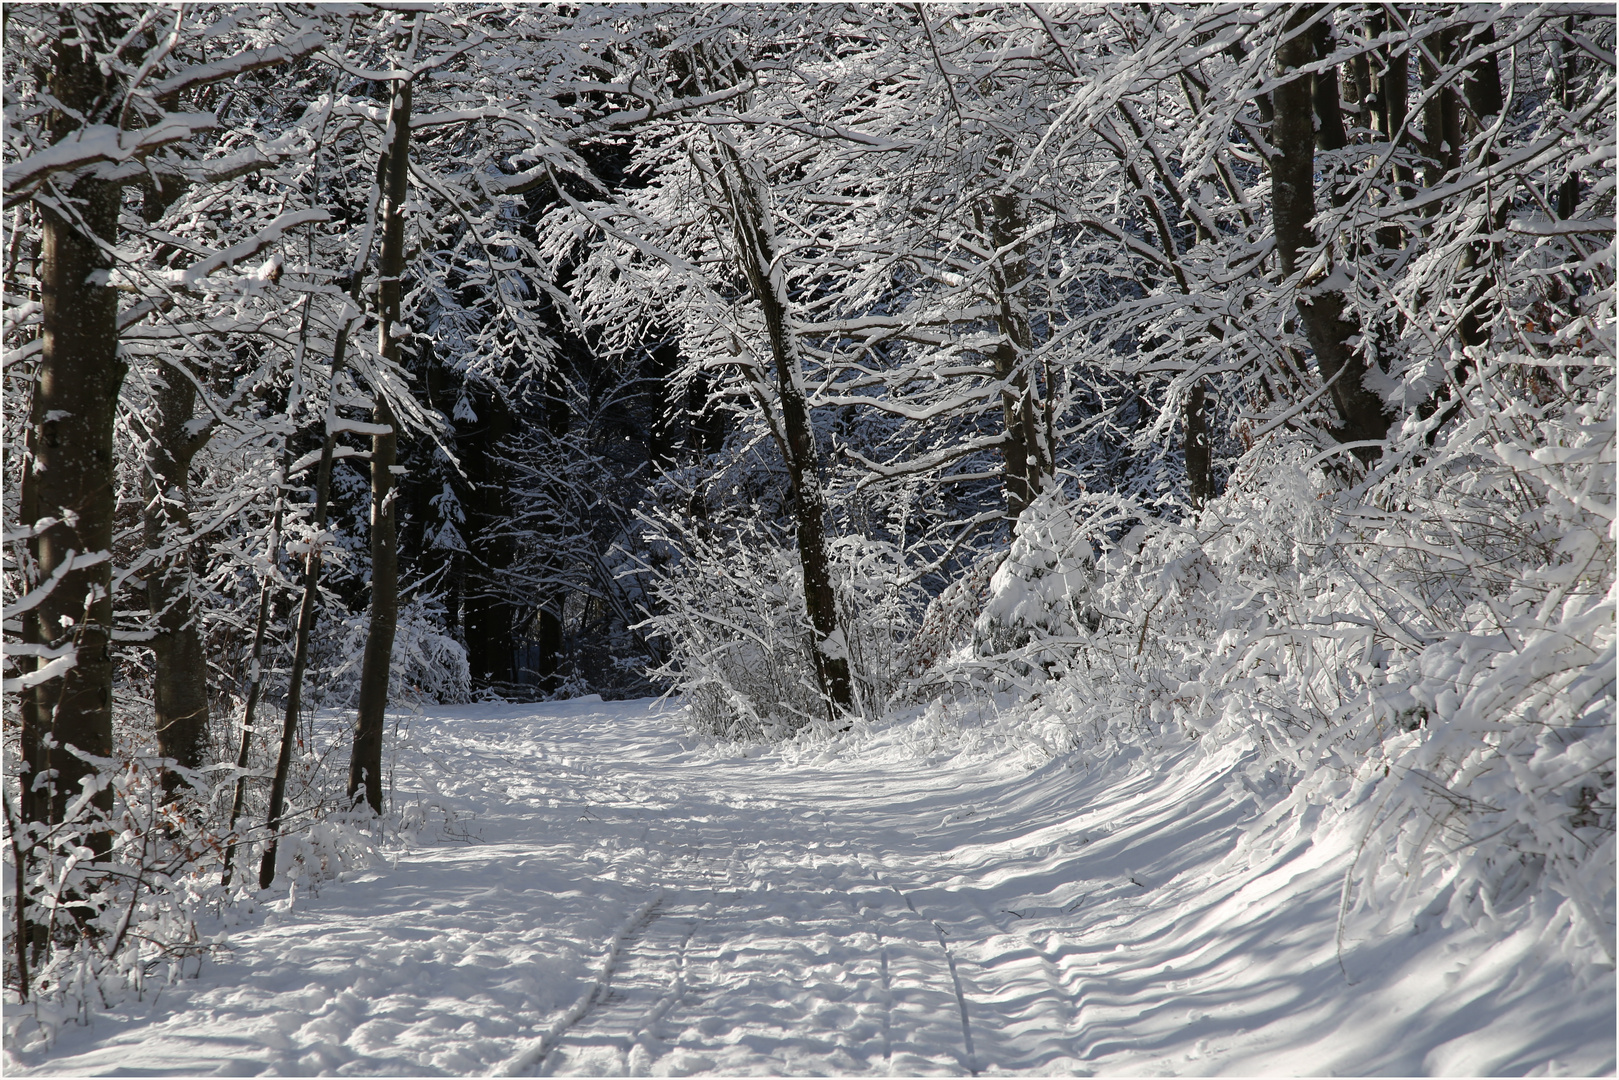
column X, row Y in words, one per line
column 590, row 895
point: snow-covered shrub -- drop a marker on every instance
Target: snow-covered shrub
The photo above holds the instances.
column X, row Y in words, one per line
column 1039, row 596
column 1025, row 617
column 1430, row 651
column 428, row 665
column 947, row 622
column 117, row 900
column 732, row 615
column 731, row 611
column 877, row 612
column 114, row 902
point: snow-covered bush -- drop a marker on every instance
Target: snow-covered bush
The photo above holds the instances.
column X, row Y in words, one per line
column 733, row 618
column 115, row 903
column 428, row 665
column 731, row 612
column 1039, row 597
column 1430, row 651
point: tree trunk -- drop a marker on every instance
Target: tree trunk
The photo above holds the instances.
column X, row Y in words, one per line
column 756, row 250
column 1390, row 89
column 255, row 685
column 488, row 622
column 552, row 598
column 180, row 684
column 70, row 472
column 180, row 676
column 548, row 640
column 1028, row 460
column 306, row 609
column 1362, row 413
column 1441, row 113
column 365, row 766
column 1199, row 454
column 1568, row 192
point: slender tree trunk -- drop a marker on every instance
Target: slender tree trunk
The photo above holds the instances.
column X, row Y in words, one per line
column 255, row 669
column 1568, row 192
column 1390, row 90
column 488, row 622
column 365, row 765
column 255, row 684
column 1321, row 310
column 552, row 599
column 1441, row 113
column 306, row 609
column 549, row 642
column 757, row 251
column 70, row 472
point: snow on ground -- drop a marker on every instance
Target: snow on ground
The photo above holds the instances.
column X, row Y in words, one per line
column 591, row 892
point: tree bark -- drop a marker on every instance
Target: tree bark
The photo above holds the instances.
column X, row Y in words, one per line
column 1441, row 113
column 365, row 765
column 255, row 664
column 1568, row 192
column 1390, row 89
column 488, row 621
column 1567, row 198
column 1362, row 414
column 69, row 473
column 1199, row 454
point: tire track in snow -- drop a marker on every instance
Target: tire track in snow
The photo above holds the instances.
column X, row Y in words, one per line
column 971, row 1060
column 531, row 1058
column 622, row 1028
column 620, row 1023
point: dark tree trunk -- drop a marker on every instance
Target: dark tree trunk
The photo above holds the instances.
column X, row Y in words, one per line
column 1482, row 90
column 549, row 622
column 1481, row 86
column 548, row 640
column 180, row 676
column 1390, row 89
column 70, row 472
column 255, row 685
column 488, row 622
column 180, row 684
column 757, row 253
column 1568, row 192
column 1441, row 113
column 1199, row 454
column 306, row 609
column 365, row 766
column 1362, row 414
column 1329, row 113
column 1028, row 464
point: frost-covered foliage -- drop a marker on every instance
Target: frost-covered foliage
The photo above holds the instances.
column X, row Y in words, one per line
column 1431, row 650
column 1194, row 420
column 119, row 904
column 739, row 639
column 731, row 614
column 1041, row 591
column 428, row 665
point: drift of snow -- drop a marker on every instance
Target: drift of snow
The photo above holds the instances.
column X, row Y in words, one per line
column 582, row 888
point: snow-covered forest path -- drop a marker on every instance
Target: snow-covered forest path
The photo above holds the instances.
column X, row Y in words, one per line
column 587, row 892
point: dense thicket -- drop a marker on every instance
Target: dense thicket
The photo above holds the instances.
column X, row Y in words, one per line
column 1223, row 372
